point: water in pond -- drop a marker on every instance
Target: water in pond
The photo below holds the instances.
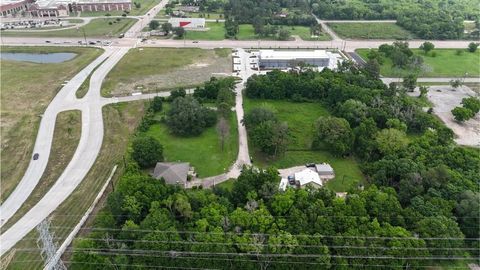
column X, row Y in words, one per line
column 38, row 57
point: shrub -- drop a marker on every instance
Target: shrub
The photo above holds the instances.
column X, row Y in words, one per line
column 147, row 151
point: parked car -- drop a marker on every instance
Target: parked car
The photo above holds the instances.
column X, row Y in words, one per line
column 35, row 156
column 310, row 165
column 291, row 180
column 121, row 35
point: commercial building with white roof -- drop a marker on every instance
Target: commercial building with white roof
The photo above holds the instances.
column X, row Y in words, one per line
column 284, row 59
column 188, row 23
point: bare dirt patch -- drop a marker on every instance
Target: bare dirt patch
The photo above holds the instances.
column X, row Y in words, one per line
column 444, row 99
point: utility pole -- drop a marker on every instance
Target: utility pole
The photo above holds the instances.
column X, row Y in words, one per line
column 49, row 250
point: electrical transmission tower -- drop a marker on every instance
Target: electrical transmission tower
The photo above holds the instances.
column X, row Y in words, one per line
column 45, row 242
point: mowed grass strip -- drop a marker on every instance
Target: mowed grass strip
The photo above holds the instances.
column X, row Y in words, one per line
column 204, row 152
column 301, row 117
column 102, row 28
column 162, row 69
column 120, row 122
column 65, row 140
column 27, row 89
column 246, row 32
column 446, row 63
column 370, row 31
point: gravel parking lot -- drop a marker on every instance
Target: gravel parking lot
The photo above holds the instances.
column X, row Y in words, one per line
column 444, row 99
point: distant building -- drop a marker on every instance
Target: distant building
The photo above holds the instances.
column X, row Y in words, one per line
column 188, row 23
column 271, row 59
column 13, row 7
column 174, row 173
column 62, row 8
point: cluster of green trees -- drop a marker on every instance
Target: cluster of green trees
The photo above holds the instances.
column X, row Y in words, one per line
column 266, row 132
column 248, row 11
column 400, row 54
column 147, row 223
column 431, row 19
column 433, row 24
column 470, row 107
column 370, row 122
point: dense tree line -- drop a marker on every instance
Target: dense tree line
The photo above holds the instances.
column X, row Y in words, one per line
column 389, row 9
column 147, row 223
column 428, row 168
column 267, row 11
column 431, row 19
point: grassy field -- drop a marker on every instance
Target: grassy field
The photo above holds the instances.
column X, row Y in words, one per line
column 160, row 69
column 370, row 31
column 246, row 32
column 65, row 140
column 445, row 64
column 26, row 90
column 300, row 118
column 96, row 28
column 120, row 122
column 203, row 152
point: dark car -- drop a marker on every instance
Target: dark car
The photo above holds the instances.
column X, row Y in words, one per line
column 48, row 41
column 91, row 42
column 310, row 165
column 35, row 156
column 291, row 180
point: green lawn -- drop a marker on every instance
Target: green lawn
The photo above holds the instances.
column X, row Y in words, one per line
column 445, row 64
column 370, row 31
column 300, row 118
column 203, row 152
column 246, row 32
column 216, row 32
column 304, row 33
column 162, row 69
column 96, row 28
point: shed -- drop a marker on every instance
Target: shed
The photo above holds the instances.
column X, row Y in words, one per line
column 324, row 170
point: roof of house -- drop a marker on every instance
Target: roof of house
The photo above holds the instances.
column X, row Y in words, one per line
column 172, row 172
column 307, row 176
column 324, row 168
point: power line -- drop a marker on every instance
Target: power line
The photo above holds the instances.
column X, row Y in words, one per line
column 140, row 252
column 267, row 234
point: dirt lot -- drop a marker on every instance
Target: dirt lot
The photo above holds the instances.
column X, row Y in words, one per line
column 444, row 99
column 161, row 69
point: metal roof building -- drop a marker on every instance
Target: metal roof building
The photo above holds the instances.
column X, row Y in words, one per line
column 272, row 59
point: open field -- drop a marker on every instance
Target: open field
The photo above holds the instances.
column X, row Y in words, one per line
column 246, row 32
column 161, row 69
column 27, row 88
column 96, row 28
column 370, row 31
column 65, row 141
column 446, row 63
column 203, row 152
column 120, row 122
column 300, row 118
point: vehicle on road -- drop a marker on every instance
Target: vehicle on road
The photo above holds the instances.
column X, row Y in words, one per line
column 35, row 156
column 92, row 42
column 48, row 41
column 195, row 41
column 121, row 35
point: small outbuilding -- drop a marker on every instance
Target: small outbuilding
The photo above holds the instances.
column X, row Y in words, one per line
column 325, row 171
column 174, row 173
